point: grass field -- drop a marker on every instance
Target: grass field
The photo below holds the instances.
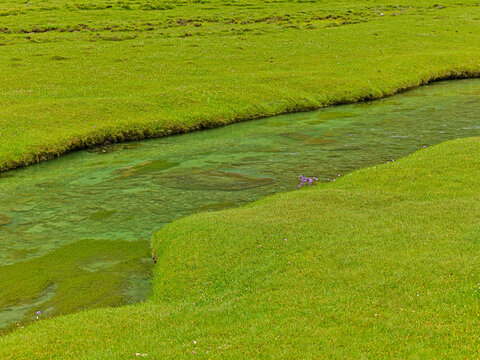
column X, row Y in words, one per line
column 381, row 264
column 74, row 74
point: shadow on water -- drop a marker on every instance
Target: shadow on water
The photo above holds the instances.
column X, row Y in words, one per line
column 79, row 225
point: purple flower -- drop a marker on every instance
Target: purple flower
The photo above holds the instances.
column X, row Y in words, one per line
column 39, row 312
column 306, row 180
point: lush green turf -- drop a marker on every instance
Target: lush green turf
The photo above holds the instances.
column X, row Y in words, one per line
column 76, row 73
column 381, row 264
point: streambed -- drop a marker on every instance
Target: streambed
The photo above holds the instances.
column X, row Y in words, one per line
column 74, row 232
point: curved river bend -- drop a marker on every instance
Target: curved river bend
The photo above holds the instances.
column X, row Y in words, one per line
column 74, row 232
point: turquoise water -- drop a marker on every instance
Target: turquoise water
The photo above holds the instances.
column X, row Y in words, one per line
column 125, row 191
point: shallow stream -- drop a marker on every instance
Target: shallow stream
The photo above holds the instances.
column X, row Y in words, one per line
column 74, row 232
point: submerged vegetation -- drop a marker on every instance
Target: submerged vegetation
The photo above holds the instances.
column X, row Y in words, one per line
column 72, row 278
column 380, row 264
column 75, row 74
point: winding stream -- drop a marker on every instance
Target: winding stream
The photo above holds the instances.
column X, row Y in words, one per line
column 74, row 232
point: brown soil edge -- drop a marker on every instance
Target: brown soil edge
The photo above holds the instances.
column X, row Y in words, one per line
column 137, row 132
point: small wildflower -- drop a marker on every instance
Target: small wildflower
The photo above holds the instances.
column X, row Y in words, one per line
column 306, row 181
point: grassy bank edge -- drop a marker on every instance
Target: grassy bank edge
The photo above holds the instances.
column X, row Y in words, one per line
column 136, row 132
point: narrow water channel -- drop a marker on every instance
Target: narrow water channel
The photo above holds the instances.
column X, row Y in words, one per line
column 74, row 232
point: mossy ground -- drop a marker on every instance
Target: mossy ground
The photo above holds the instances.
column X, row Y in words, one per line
column 381, row 264
column 75, row 74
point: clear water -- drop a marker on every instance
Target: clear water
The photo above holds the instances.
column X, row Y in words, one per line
column 125, row 191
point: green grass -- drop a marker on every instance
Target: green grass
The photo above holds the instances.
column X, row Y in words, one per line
column 381, row 264
column 74, row 74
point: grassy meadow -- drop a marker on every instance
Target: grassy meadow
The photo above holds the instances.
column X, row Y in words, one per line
column 74, row 74
column 382, row 263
